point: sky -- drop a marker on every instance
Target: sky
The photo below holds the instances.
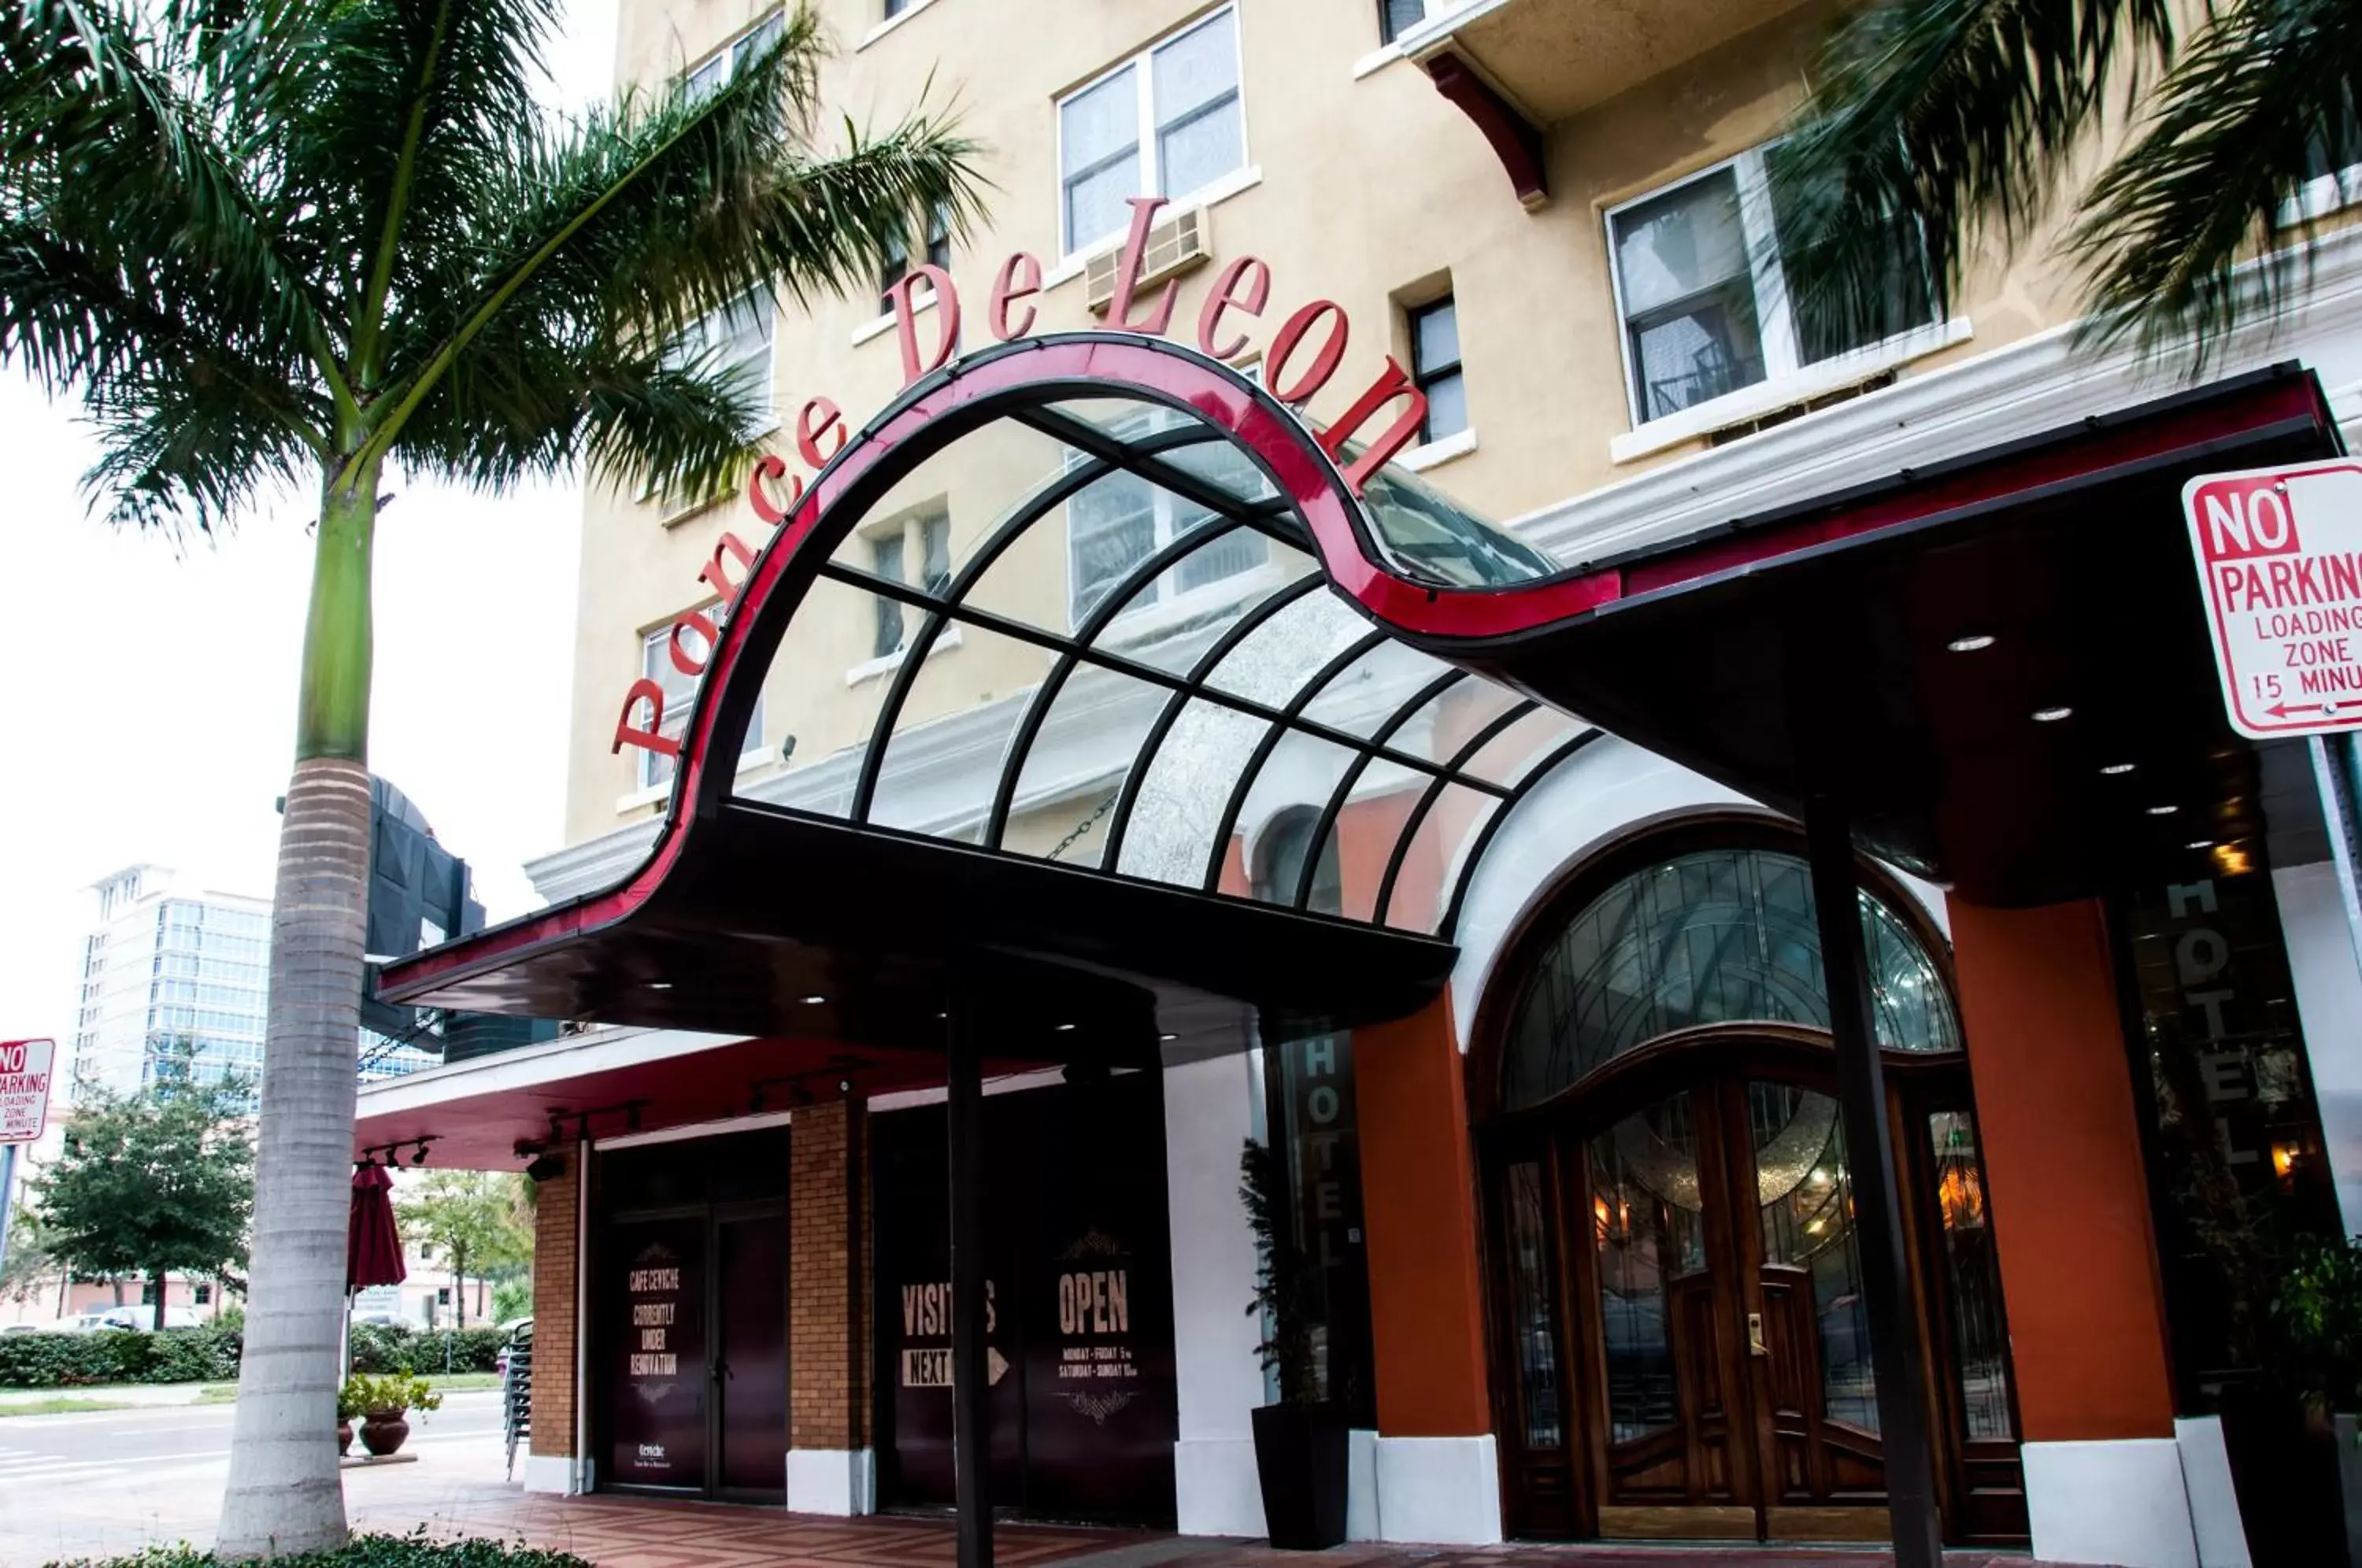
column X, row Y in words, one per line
column 152, row 715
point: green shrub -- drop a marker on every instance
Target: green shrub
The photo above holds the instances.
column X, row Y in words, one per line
column 378, row 1349
column 413, row 1551
column 74, row 1361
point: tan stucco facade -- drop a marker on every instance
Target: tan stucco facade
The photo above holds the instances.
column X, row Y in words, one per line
column 1362, row 183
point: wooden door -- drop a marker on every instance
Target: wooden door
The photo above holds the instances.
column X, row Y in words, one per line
column 1683, row 1344
column 1813, row 1386
column 750, row 1361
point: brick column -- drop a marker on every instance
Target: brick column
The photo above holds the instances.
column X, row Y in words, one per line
column 1438, row 1479
column 557, row 1256
column 829, row 1467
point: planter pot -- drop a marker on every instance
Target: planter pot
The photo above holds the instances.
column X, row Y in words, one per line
column 2348, row 1436
column 344, row 1436
column 2284, row 1470
column 1300, row 1459
column 383, row 1431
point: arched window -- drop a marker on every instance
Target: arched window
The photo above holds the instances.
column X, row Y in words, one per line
column 1714, row 936
column 1279, row 862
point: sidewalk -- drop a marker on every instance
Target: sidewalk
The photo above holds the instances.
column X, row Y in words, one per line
column 125, row 1393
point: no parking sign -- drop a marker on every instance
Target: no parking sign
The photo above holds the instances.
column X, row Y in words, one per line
column 2279, row 552
column 24, row 1089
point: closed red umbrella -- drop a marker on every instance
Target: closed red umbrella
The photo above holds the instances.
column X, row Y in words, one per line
column 372, row 1245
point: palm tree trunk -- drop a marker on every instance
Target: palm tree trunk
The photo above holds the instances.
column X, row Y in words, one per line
column 284, row 1495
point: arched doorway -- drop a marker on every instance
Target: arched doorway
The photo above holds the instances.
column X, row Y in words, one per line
column 1680, row 1345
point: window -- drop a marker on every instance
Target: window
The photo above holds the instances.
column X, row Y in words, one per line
column 1397, row 18
column 1435, row 366
column 1114, row 524
column 928, row 534
column 897, row 256
column 895, row 7
column 2332, row 175
column 1180, row 100
column 737, row 338
column 724, row 63
column 1704, row 304
column 657, row 665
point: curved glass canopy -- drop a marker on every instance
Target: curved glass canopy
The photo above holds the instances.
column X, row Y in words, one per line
column 1718, row 937
column 1095, row 631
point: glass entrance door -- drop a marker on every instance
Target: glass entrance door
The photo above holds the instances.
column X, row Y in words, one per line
column 1736, row 1378
column 1681, row 1293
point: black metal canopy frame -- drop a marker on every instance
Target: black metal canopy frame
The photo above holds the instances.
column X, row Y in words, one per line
column 1202, row 664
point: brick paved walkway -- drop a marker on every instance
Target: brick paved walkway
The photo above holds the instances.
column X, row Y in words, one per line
column 619, row 1532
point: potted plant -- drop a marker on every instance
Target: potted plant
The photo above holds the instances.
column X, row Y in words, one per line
column 384, row 1401
column 2317, row 1346
column 348, row 1406
column 1300, row 1442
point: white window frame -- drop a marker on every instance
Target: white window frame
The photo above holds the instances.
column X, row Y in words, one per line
column 724, row 55
column 1775, row 326
column 1146, row 152
column 1172, row 603
column 909, row 531
column 2323, row 195
column 1786, row 378
column 656, row 654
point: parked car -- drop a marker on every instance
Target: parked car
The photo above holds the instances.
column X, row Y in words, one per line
column 134, row 1318
column 29, row 1328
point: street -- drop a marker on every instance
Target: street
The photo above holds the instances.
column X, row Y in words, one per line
column 117, row 1480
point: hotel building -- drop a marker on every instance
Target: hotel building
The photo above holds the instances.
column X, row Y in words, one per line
column 1094, row 727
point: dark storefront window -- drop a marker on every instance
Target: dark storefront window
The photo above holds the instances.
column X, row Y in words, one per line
column 1080, row 1403
column 2239, row 1177
column 1310, row 1112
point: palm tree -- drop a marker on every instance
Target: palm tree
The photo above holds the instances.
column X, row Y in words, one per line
column 1935, row 121
column 266, row 240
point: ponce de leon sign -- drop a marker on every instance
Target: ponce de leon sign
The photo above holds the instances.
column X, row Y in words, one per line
column 1301, row 360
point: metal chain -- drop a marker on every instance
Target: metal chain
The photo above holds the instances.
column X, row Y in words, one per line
column 1084, row 826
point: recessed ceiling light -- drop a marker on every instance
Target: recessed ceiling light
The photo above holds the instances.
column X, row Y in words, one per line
column 1168, row 1038
column 814, row 1001
column 1976, row 642
column 2201, row 844
column 1066, row 1029
column 659, row 985
column 2163, row 811
column 2052, row 715
column 2118, row 769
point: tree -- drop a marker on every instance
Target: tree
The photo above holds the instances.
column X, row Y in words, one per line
column 474, row 1221
column 277, row 241
column 32, row 1260
column 160, row 1182
column 1942, row 120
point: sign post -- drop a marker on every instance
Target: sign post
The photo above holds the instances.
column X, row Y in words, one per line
column 2280, row 556
column 24, row 1113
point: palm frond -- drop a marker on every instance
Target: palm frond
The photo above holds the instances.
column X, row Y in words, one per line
column 2264, row 96
column 632, row 225
column 1935, row 120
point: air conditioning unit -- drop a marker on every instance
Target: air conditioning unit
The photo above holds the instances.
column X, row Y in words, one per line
column 1176, row 245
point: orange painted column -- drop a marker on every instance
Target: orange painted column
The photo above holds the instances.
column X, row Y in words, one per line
column 1418, row 1201
column 2064, row 1172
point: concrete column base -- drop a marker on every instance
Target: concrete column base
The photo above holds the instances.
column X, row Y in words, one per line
column 1361, row 1485
column 2214, row 1505
column 2121, row 1502
column 1443, row 1490
column 833, row 1481
column 1215, row 1488
column 552, row 1473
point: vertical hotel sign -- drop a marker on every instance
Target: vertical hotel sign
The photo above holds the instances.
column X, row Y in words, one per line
column 24, row 1089
column 2280, row 554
